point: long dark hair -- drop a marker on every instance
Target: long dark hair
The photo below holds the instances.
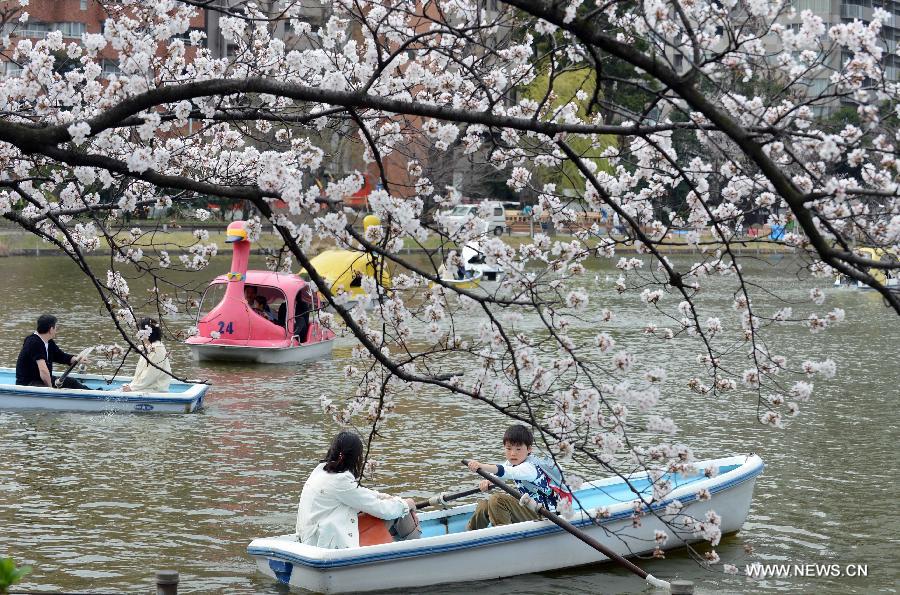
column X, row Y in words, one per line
column 155, row 332
column 345, row 454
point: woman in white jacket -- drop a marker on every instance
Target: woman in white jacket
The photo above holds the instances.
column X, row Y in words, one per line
column 332, row 498
column 151, row 378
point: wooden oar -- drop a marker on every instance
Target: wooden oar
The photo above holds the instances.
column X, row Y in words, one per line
column 443, row 497
column 84, row 353
column 569, row 527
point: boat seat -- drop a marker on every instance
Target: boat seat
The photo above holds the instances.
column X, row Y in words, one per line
column 301, row 327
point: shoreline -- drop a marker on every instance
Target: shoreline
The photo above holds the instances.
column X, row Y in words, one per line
column 13, row 246
column 737, row 249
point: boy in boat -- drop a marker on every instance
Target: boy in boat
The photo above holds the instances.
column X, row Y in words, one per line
column 529, row 475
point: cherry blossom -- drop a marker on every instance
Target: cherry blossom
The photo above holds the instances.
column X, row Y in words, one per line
column 413, row 105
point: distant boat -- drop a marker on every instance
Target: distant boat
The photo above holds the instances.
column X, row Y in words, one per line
column 181, row 398
column 471, row 282
column 880, row 275
column 448, row 553
column 233, row 331
column 343, row 270
column 474, row 262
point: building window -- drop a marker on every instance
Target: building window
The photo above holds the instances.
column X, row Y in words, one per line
column 110, row 68
column 34, row 29
column 851, row 12
column 84, row 4
column 817, row 7
column 817, row 86
column 678, row 62
column 71, row 29
column 186, row 36
column 11, row 69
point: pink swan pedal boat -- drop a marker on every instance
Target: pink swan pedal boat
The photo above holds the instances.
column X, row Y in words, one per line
column 258, row 316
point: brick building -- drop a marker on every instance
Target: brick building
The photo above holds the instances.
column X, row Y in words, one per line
column 77, row 17
column 71, row 17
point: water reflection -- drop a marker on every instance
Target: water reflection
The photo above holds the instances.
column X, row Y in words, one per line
column 95, row 502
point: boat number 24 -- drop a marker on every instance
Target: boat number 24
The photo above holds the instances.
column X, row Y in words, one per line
column 226, row 327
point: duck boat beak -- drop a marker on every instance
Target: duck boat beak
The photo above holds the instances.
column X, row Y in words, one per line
column 236, row 232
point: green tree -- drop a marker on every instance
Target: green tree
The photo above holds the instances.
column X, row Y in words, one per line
column 553, row 95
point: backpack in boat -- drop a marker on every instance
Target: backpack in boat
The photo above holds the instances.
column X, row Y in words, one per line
column 373, row 531
column 554, row 476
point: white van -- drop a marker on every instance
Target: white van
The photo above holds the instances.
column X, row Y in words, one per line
column 496, row 219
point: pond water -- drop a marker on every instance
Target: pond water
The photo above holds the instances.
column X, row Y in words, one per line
column 95, row 503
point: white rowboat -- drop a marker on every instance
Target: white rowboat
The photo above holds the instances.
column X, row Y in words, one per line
column 843, row 281
column 181, row 398
column 448, row 553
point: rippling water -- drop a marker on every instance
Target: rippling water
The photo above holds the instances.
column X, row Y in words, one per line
column 97, row 502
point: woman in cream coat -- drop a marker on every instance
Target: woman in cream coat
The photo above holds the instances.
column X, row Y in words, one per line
column 147, row 378
column 331, row 499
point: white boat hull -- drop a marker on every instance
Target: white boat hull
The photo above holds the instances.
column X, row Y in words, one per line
column 186, row 400
column 489, row 280
column 842, row 281
column 497, row 552
column 262, row 355
column 488, row 287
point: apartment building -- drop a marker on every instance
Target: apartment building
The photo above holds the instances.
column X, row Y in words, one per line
column 833, row 12
column 313, row 13
column 846, row 11
column 71, row 17
column 76, row 17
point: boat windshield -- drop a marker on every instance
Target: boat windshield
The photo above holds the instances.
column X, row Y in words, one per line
column 477, row 258
column 211, row 298
column 276, row 302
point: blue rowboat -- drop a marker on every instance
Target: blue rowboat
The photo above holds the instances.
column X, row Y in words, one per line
column 181, row 398
column 448, row 553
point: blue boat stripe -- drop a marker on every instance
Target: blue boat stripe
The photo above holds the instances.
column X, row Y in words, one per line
column 483, row 541
column 93, row 396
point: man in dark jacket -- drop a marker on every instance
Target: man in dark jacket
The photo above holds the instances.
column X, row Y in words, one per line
column 39, row 352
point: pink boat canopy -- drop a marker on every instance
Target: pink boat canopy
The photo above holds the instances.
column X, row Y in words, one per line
column 257, row 308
